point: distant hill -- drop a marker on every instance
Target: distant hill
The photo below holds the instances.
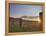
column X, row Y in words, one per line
column 29, row 18
column 11, row 18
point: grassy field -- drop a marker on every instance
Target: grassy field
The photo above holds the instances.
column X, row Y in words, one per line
column 27, row 26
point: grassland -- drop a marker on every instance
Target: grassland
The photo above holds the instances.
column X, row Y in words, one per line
column 27, row 26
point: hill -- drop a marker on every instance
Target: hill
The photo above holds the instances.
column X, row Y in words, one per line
column 26, row 26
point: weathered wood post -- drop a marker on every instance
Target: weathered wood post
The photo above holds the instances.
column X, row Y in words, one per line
column 20, row 22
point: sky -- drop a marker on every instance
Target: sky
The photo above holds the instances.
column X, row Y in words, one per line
column 18, row 10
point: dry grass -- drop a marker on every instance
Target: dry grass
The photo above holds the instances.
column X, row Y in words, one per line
column 27, row 26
